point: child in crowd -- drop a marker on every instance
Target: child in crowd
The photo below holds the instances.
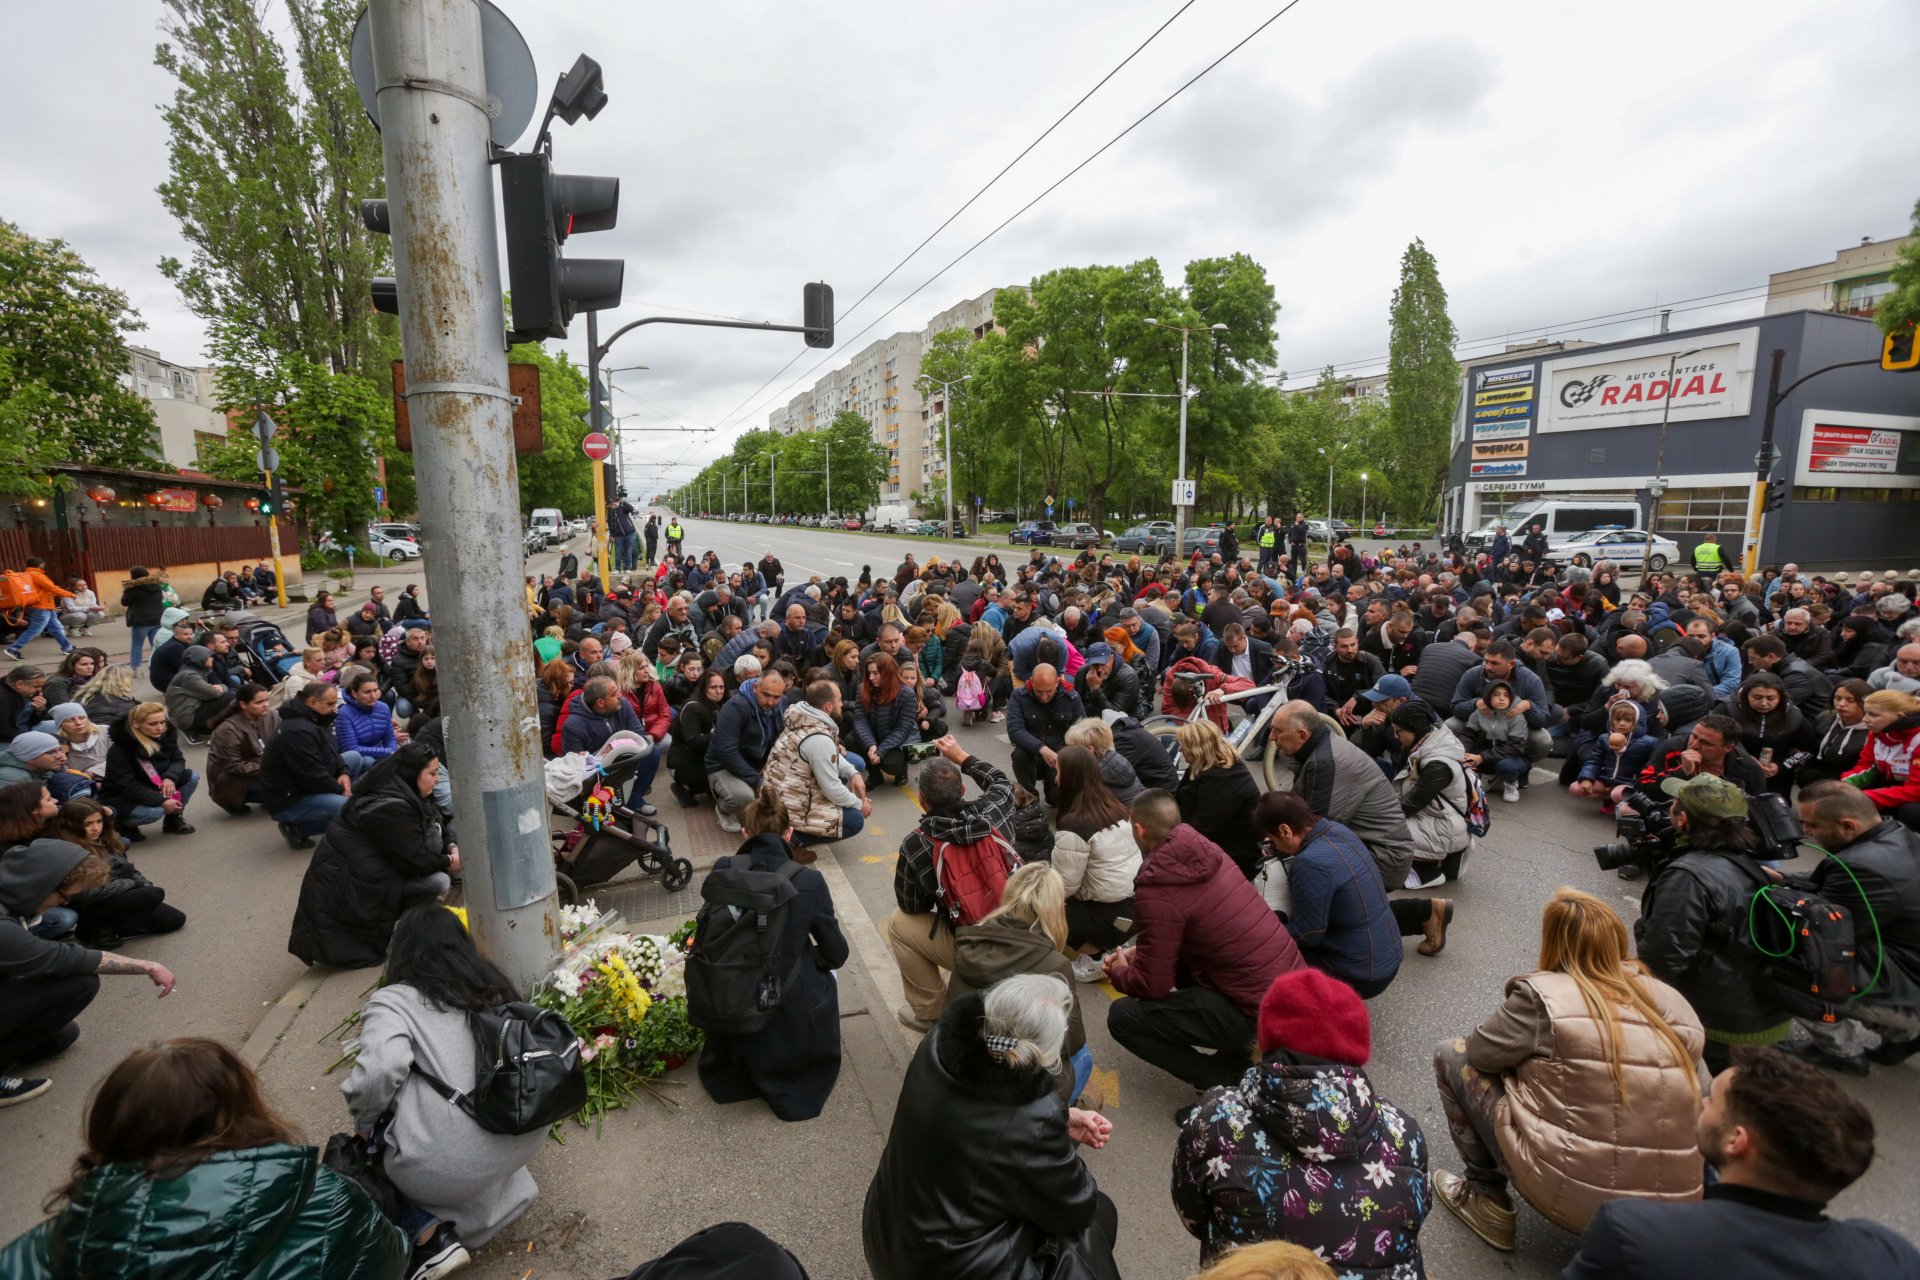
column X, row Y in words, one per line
column 1617, row 759
column 1032, row 836
column 1494, row 738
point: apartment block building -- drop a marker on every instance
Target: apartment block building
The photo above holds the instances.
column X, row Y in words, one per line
column 878, row 383
column 1852, row 284
column 184, row 412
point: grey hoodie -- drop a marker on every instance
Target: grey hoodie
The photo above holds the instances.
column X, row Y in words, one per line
column 28, row 873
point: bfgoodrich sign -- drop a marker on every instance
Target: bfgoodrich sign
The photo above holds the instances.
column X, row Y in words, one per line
column 1704, row 377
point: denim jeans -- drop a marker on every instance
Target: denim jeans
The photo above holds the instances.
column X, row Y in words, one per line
column 357, row 764
column 55, row 923
column 39, row 620
column 1082, row 1062
column 143, row 637
column 311, row 815
column 142, row 815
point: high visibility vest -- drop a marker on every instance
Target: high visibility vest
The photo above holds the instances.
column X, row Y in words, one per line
column 674, row 533
column 1707, row 556
column 1268, row 537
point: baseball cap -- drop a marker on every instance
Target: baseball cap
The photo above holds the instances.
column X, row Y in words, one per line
column 1388, row 687
column 1100, row 651
column 1708, row 796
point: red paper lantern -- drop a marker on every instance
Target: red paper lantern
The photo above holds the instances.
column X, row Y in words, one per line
column 101, row 493
column 212, row 501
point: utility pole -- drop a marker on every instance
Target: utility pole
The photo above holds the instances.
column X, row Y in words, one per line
column 427, row 66
column 1180, row 509
column 946, row 437
column 828, row 445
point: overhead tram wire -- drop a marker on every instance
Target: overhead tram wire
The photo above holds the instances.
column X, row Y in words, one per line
column 1727, row 297
column 1054, row 186
column 1024, row 152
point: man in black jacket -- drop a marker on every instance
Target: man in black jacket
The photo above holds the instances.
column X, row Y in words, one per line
column 1784, row 1141
column 1693, row 934
column 743, row 733
column 1872, row 869
column 800, row 640
column 1038, row 717
column 1349, row 673
column 1106, row 683
column 920, row 936
column 1442, row 663
column 304, row 777
column 1807, row 689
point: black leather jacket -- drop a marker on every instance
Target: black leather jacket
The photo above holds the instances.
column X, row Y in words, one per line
column 1692, row 933
column 979, row 1180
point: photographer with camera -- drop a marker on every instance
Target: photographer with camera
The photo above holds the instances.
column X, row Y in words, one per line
column 1693, row 931
column 1711, row 748
column 1872, row 870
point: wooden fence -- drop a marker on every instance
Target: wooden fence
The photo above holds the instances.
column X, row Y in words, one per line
column 91, row 549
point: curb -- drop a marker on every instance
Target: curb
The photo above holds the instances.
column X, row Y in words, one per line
column 259, row 1046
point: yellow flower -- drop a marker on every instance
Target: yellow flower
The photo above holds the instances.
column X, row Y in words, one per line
column 627, row 993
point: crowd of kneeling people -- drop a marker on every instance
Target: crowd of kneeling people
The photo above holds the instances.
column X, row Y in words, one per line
column 1648, row 1086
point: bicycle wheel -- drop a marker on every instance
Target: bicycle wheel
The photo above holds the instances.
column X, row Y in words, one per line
column 1166, row 728
column 1268, row 758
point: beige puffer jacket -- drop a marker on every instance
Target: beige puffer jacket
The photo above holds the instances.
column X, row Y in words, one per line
column 1100, row 869
column 1568, row 1140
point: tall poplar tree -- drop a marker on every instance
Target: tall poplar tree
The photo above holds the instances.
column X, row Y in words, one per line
column 1423, row 383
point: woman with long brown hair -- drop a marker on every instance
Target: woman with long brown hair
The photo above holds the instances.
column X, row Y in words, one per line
column 555, row 682
column 187, row 1164
column 1584, row 1087
column 886, row 718
column 1097, row 857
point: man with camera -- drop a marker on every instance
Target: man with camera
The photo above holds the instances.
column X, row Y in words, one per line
column 1872, row 869
column 1711, row 748
column 1693, row 931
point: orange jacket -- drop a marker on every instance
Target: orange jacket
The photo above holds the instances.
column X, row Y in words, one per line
column 44, row 590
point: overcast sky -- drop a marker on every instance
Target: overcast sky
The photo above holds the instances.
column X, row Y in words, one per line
column 1562, row 161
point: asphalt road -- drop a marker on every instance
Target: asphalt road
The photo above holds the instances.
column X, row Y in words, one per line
column 803, row 1183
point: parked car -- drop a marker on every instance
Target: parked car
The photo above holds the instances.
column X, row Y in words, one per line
column 1077, row 534
column 1155, row 538
column 1031, row 533
column 1201, row 538
column 390, row 546
column 852, row 522
column 1624, row 547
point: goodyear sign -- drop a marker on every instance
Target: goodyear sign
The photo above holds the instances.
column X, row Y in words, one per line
column 1484, row 449
column 1503, row 403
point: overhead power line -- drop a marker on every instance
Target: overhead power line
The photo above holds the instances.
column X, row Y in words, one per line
column 894, row 270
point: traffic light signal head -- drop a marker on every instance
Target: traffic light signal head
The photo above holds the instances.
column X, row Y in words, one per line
column 1901, row 350
column 1777, row 490
column 817, row 310
column 579, row 92
column 386, row 290
column 542, row 209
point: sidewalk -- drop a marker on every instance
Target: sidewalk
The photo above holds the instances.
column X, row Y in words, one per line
column 654, row 1175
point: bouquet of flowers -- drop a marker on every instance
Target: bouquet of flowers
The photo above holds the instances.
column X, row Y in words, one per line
column 625, row 996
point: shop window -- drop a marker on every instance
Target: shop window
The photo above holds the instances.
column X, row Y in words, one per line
column 1811, row 493
column 1688, row 513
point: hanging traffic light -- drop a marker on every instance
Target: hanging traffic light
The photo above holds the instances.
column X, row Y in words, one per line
column 1901, row 350
column 542, row 208
column 385, row 289
column 817, row 310
column 1777, row 490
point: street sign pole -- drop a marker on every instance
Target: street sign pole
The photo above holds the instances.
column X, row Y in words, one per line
column 432, row 96
column 269, row 459
column 597, row 446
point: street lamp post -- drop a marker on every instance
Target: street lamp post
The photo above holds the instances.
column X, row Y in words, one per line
column 1180, row 510
column 1363, row 502
column 1658, row 484
column 946, row 434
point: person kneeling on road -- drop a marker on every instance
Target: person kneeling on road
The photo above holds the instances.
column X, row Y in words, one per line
column 304, row 776
column 1038, row 717
column 743, row 734
column 1337, row 913
column 1199, row 920
column 820, row 787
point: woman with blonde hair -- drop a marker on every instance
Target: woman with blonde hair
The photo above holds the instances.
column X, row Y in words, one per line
column 1026, row 933
column 147, row 779
column 109, row 695
column 1271, row 1260
column 1585, row 1086
column 1216, row 795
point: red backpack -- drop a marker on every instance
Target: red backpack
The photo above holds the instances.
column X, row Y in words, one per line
column 971, row 877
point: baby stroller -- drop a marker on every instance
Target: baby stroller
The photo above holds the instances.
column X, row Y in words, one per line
column 607, row 835
column 264, row 647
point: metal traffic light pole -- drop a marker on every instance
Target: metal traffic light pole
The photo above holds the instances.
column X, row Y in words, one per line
column 432, row 96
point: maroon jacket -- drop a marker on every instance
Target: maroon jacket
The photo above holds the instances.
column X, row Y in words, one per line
column 1202, row 923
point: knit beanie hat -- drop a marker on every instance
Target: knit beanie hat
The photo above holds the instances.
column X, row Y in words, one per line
column 1313, row 1013
column 32, row 745
column 63, row 711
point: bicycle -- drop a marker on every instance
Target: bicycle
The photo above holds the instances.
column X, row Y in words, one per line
column 1241, row 734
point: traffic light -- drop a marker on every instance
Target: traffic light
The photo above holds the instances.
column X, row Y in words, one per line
column 1901, row 350
column 817, row 308
column 386, row 290
column 270, row 501
column 542, row 209
column 1777, row 490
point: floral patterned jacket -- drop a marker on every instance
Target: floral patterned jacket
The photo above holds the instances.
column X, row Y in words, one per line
column 1308, row 1154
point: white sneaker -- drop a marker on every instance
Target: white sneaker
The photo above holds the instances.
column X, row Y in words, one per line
column 1087, row 969
column 1510, row 792
column 728, row 824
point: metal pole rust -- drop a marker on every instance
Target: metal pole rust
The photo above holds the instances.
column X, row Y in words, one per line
column 429, row 73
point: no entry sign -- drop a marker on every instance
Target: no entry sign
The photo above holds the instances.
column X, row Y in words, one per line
column 596, row 445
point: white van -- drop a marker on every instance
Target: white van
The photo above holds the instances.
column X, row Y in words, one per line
column 1560, row 519
column 890, row 519
column 550, row 523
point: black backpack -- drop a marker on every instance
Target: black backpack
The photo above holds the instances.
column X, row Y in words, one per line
column 527, row 1070
column 738, row 968
column 1806, row 944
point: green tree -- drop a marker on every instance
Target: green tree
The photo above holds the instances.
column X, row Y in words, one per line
column 1423, row 383
column 1901, row 308
column 1226, row 369
column 267, row 163
column 62, row 354
column 948, row 359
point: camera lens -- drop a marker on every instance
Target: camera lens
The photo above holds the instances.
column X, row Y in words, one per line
column 1611, row 857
